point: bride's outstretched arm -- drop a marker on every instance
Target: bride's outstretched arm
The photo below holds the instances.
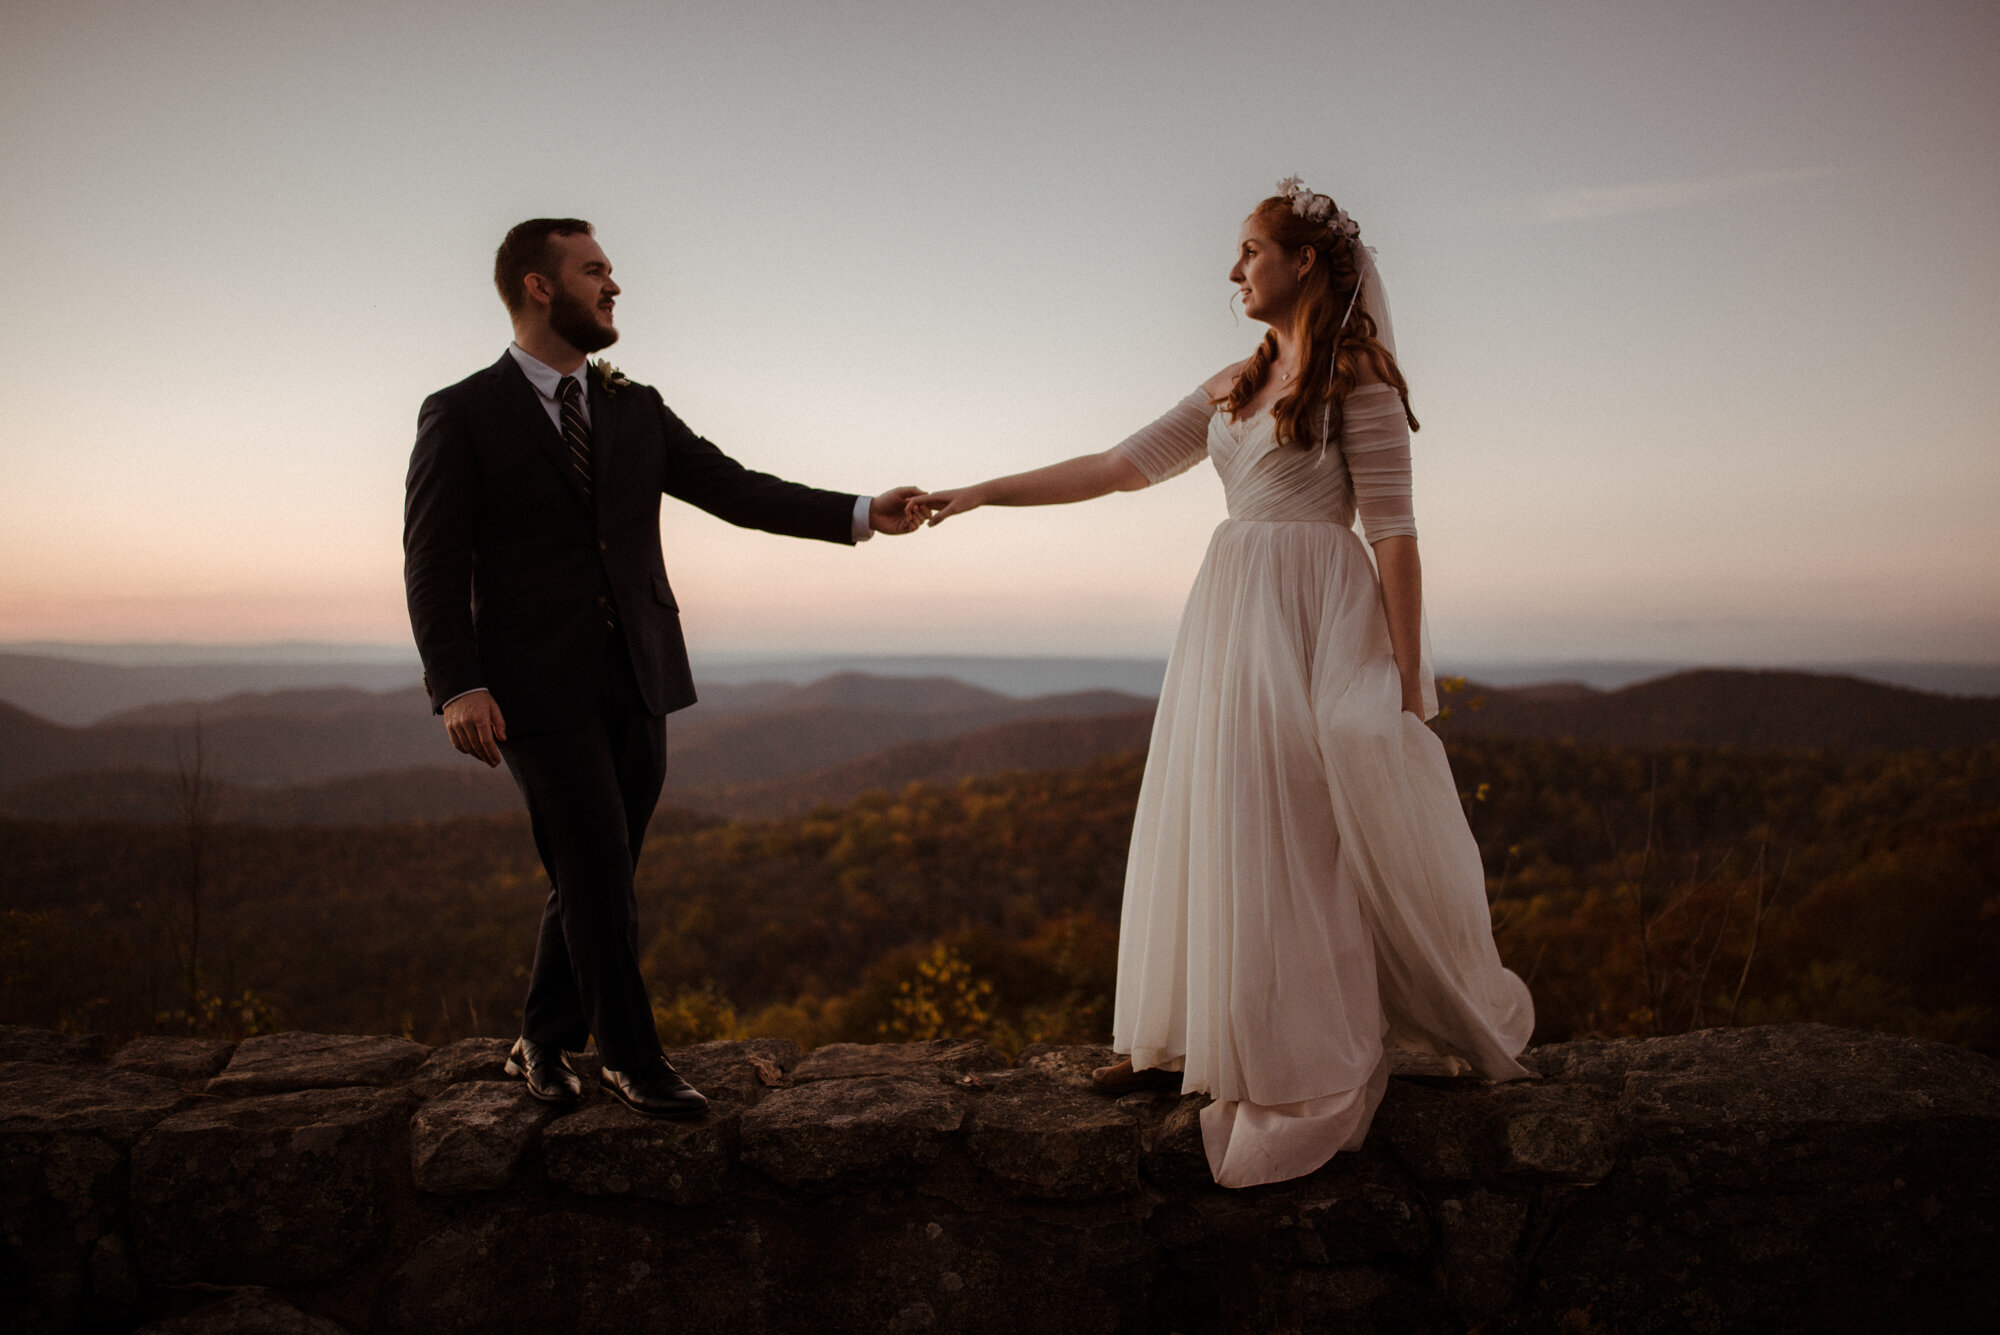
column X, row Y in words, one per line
column 1080, row 479
column 1154, row 453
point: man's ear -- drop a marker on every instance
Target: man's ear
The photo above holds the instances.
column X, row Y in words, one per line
column 541, row 289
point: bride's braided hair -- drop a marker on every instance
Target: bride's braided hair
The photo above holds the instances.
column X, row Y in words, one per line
column 1325, row 377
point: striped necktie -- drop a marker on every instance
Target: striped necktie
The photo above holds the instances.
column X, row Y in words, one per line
column 576, row 430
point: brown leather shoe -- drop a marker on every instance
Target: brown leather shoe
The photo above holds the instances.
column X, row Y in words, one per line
column 1120, row 1078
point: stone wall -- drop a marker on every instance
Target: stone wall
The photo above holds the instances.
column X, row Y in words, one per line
column 1796, row 1178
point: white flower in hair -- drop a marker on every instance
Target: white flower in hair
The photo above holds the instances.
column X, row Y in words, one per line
column 1315, row 207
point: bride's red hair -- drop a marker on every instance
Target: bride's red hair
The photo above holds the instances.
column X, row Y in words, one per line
column 1329, row 285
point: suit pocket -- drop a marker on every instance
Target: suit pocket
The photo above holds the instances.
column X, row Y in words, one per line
column 663, row 595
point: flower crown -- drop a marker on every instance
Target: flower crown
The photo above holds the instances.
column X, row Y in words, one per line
column 1315, row 207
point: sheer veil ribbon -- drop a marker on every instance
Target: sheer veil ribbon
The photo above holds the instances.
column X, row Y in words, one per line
column 1370, row 284
column 1371, row 287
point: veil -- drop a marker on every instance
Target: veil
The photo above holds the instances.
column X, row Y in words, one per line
column 1371, row 287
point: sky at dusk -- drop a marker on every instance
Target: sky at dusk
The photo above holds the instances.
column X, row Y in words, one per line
column 1699, row 303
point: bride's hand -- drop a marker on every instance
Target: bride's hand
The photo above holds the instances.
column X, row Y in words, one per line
column 942, row 505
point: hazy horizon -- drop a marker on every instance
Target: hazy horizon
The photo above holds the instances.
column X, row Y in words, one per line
column 1696, row 301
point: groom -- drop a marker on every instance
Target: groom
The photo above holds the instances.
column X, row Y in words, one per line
column 551, row 638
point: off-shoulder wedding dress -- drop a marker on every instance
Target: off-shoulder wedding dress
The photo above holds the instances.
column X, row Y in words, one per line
column 1303, row 890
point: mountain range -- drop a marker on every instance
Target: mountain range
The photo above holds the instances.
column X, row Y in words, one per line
column 339, row 755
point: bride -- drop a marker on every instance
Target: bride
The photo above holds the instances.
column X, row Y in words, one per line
column 1302, row 892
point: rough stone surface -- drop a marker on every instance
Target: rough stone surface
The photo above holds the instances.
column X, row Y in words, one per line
column 940, row 1060
column 182, row 1059
column 508, row 1272
column 1793, row 1179
column 738, row 1072
column 472, row 1136
column 1048, row 1139
column 841, row 1131
column 281, row 1063
column 114, row 1106
column 65, row 1131
column 1173, row 1156
column 278, row 1189
column 456, row 1063
column 250, row 1312
column 1071, row 1065
column 20, row 1044
column 1481, row 1234
column 609, row 1150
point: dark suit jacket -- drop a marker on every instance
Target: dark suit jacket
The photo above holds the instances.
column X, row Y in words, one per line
column 510, row 572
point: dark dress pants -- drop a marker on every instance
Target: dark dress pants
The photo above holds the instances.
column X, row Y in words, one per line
column 590, row 790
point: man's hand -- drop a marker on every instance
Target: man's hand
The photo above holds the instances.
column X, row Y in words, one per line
column 475, row 726
column 890, row 512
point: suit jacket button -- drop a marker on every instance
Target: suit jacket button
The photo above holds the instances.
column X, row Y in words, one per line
column 602, row 601
column 603, row 546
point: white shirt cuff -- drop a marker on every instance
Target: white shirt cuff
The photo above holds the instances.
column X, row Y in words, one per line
column 861, row 528
column 460, row 696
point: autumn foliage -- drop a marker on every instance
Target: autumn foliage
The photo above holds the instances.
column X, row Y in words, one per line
column 1639, row 890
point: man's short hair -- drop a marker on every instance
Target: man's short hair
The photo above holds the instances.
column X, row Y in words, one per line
column 530, row 248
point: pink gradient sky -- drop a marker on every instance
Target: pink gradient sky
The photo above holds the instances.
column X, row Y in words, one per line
column 1698, row 302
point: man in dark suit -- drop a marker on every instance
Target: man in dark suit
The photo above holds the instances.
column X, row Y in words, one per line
column 550, row 636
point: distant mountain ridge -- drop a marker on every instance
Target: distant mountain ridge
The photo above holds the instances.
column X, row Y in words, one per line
column 738, row 734
column 769, row 749
column 1753, row 710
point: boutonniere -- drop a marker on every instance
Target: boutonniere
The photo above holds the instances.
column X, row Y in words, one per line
column 609, row 378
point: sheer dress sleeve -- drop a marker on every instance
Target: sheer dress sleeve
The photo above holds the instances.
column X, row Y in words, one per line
column 1376, row 439
column 1172, row 444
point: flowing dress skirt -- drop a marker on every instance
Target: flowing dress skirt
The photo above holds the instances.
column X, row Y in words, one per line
column 1302, row 888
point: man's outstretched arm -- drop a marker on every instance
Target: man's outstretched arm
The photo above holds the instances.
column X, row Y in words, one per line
column 703, row 476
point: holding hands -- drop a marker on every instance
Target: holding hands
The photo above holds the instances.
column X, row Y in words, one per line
column 934, row 507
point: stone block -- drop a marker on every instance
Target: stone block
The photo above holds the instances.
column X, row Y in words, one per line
column 278, row 1189
column 281, row 1063
column 738, row 1072
column 249, row 1312
column 1069, row 1064
column 1360, row 1207
column 1440, row 1135
column 114, row 1106
column 1563, row 1139
column 1480, row 1233
column 65, row 1131
column 472, row 1136
column 531, row 1269
column 609, row 1150
column 1052, row 1141
column 1173, row 1156
column 170, row 1058
column 18, row 1043
column 942, row 1059
column 456, row 1063
column 840, row 1132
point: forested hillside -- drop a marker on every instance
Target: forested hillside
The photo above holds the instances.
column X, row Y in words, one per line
column 1639, row 890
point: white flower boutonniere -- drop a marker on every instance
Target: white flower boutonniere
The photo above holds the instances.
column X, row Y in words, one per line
column 609, row 378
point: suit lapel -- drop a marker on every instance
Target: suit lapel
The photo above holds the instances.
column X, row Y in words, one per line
column 526, row 406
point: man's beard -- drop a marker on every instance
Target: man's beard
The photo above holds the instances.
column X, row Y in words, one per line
column 577, row 323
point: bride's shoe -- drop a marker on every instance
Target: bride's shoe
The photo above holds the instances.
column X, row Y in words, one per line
column 1120, row 1078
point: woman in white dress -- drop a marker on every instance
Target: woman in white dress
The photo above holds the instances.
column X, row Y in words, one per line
column 1303, row 891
